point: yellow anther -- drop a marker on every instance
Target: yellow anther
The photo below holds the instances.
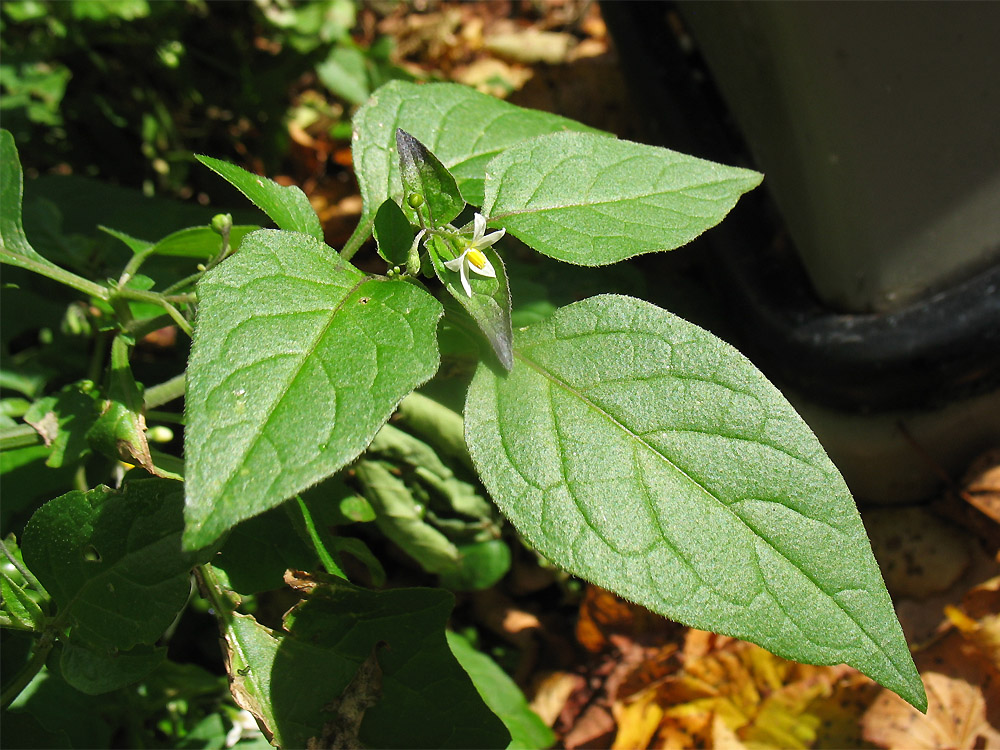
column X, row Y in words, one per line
column 477, row 259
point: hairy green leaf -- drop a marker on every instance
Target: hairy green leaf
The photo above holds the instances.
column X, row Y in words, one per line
column 464, row 129
column 642, row 453
column 288, row 207
column 589, row 200
column 112, row 560
column 298, row 359
column 385, row 652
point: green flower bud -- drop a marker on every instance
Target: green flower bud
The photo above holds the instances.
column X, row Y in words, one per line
column 222, row 223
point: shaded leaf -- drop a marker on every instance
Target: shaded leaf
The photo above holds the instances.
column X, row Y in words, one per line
column 502, row 695
column 393, row 233
column 63, row 420
column 288, row 207
column 426, row 699
column 400, row 517
column 643, row 454
column 590, row 200
column 93, row 670
column 14, row 246
column 112, row 560
column 298, row 359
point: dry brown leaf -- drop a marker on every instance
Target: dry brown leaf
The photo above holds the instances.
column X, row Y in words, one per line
column 551, row 693
column 595, row 728
column 602, row 614
column 955, row 719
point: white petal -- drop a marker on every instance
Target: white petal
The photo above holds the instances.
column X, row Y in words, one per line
column 491, row 238
column 457, row 263
column 465, row 277
column 486, row 270
column 479, row 224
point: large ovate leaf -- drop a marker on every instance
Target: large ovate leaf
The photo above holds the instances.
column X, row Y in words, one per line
column 287, row 206
column 589, row 200
column 381, row 652
column 298, row 359
column 464, row 129
column 644, row 454
column 112, row 560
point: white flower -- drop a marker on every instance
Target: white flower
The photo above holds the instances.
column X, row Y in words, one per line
column 472, row 257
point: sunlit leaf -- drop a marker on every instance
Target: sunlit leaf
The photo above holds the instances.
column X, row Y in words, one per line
column 644, row 454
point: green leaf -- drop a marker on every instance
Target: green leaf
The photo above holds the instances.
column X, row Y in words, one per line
column 590, row 200
column 120, row 431
column 503, row 696
column 288, row 207
column 426, row 179
column 14, row 246
column 63, row 420
column 97, row 670
column 345, row 73
column 437, row 425
column 65, row 716
column 393, row 233
column 22, row 608
column 11, row 191
column 200, row 242
column 112, row 560
column 489, row 304
column 258, row 551
column 298, row 359
column 421, row 697
column 464, row 129
column 400, row 517
column 643, row 454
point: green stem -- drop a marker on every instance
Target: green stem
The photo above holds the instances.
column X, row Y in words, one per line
column 183, row 283
column 155, row 415
column 324, row 556
column 134, row 264
column 138, row 329
column 361, row 234
column 56, row 273
column 165, row 392
column 20, row 436
column 155, row 298
column 27, row 672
